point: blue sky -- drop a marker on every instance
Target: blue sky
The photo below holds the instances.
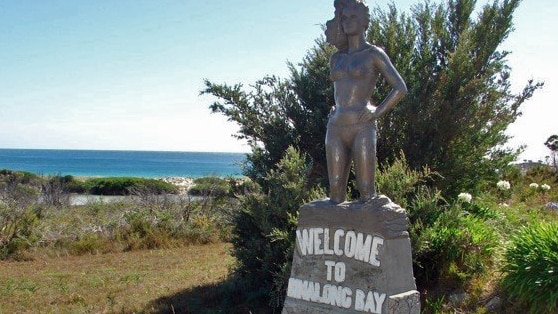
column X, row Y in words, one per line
column 126, row 74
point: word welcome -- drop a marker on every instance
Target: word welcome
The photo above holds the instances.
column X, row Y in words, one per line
column 358, row 246
column 343, row 297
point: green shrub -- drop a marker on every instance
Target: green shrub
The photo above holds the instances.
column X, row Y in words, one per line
column 264, row 230
column 89, row 243
column 400, row 183
column 22, row 177
column 531, row 267
column 72, row 185
column 541, row 174
column 455, row 248
column 17, row 229
column 127, row 185
column 451, row 242
column 210, row 186
column 18, row 188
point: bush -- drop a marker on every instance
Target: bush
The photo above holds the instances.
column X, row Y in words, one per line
column 54, row 192
column 210, row 186
column 124, row 186
column 90, row 243
column 17, row 229
column 400, row 183
column 531, row 266
column 451, row 242
column 72, row 185
column 22, row 177
column 264, row 230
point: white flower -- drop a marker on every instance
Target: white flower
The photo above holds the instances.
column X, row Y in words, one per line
column 503, row 185
column 503, row 205
column 534, row 186
column 465, row 197
column 545, row 187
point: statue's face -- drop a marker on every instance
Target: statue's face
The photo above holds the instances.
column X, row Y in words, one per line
column 351, row 21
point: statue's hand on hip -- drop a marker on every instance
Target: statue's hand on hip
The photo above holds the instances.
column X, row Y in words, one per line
column 369, row 113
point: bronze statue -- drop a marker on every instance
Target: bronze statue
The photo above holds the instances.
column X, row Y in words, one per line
column 354, row 70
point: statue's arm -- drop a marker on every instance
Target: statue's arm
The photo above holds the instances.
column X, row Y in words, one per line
column 390, row 74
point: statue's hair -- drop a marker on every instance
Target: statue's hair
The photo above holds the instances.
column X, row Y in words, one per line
column 361, row 6
column 334, row 28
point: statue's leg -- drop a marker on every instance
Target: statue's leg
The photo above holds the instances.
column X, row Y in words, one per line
column 338, row 164
column 364, row 156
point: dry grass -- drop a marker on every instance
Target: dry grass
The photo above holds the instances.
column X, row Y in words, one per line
column 113, row 283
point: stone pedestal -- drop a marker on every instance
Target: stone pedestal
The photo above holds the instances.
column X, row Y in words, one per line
column 352, row 258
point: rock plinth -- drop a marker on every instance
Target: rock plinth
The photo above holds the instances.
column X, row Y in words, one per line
column 352, row 258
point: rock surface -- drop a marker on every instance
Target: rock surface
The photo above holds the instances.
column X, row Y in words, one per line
column 351, row 258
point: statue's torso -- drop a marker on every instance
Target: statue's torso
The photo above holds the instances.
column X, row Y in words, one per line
column 354, row 78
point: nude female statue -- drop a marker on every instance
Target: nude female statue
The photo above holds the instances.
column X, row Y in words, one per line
column 354, row 70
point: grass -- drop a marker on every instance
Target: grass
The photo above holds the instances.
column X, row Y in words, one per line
column 129, row 282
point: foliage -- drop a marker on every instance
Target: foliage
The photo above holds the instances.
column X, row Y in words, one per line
column 454, row 249
column 54, row 191
column 144, row 220
column 19, row 211
column 459, row 101
column 18, row 188
column 124, row 185
column 73, row 185
column 17, row 228
column 452, row 120
column 531, row 263
column 541, row 174
column 135, row 225
column 264, row 229
column 23, row 177
column 276, row 114
column 451, row 242
column 401, row 183
column 552, row 144
column 210, row 186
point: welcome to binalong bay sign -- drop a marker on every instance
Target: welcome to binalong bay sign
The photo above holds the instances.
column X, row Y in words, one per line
column 352, row 258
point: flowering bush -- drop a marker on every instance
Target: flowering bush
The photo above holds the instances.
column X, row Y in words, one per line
column 465, row 197
column 503, row 185
column 545, row 187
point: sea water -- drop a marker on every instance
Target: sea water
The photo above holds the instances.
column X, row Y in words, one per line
column 103, row 163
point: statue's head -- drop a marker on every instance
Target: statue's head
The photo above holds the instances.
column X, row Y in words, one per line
column 351, row 16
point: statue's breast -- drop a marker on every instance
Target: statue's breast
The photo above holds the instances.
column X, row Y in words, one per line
column 351, row 66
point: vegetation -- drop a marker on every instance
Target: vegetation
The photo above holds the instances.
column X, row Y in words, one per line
column 552, row 144
column 461, row 194
column 32, row 217
column 445, row 139
column 211, row 186
column 452, row 120
column 143, row 281
column 531, row 264
column 263, row 233
column 127, row 185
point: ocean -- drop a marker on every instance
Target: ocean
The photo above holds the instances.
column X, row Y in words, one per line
column 104, row 163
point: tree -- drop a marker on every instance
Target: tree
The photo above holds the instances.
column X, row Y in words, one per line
column 552, row 144
column 264, row 231
column 453, row 119
column 278, row 113
column 459, row 103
